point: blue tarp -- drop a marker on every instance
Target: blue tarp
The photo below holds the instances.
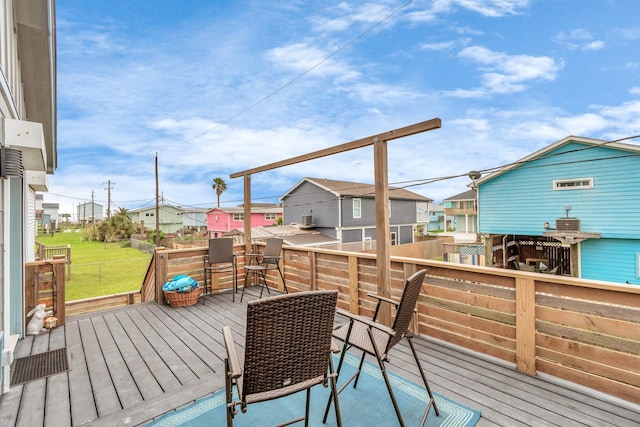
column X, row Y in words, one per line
column 180, row 283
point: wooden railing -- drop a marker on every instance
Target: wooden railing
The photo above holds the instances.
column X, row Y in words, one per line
column 583, row 331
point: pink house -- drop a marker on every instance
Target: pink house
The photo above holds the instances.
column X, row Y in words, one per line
column 222, row 220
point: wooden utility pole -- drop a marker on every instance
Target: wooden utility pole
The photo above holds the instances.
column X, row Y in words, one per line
column 157, row 206
column 109, row 184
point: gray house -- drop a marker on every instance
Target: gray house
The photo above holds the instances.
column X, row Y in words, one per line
column 346, row 210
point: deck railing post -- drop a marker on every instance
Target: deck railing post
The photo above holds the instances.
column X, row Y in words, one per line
column 526, row 325
column 354, row 303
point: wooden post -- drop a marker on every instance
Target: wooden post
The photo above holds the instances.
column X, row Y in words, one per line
column 162, row 270
column 526, row 325
column 383, row 262
column 247, row 215
column 354, row 301
column 59, row 298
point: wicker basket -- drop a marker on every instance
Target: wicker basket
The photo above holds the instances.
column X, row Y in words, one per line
column 183, row 299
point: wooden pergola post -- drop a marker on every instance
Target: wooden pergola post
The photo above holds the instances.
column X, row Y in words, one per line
column 381, row 178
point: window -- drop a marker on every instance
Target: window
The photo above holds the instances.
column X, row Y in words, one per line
column 149, row 214
column 270, row 216
column 394, row 238
column 573, row 184
column 238, row 216
column 357, row 208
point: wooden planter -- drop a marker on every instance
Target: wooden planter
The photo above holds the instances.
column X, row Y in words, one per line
column 183, row 299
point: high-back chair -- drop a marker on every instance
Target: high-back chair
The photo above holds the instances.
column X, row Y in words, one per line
column 376, row 339
column 287, row 349
column 259, row 264
column 220, row 259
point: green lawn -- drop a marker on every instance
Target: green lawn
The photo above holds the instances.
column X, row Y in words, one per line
column 99, row 268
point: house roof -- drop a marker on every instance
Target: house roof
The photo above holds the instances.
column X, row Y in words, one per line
column 467, row 195
column 356, row 189
column 567, row 140
column 290, row 234
column 254, row 209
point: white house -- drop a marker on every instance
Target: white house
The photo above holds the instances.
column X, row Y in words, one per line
column 28, row 144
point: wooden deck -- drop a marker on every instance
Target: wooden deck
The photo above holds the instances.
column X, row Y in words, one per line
column 136, row 363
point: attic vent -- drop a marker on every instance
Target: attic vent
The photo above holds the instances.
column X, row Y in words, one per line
column 568, row 224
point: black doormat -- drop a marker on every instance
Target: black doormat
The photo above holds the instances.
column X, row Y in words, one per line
column 30, row 368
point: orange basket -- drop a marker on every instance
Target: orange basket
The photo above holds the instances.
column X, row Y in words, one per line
column 183, row 299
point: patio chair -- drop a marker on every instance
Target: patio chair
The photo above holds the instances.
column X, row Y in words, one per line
column 287, row 349
column 220, row 259
column 259, row 264
column 376, row 339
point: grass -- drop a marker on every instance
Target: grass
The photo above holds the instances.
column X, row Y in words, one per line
column 99, row 268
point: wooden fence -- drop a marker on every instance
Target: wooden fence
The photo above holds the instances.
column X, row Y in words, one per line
column 586, row 332
column 44, row 284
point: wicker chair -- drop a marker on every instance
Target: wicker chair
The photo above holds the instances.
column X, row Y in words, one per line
column 288, row 349
column 259, row 264
column 220, row 259
column 377, row 340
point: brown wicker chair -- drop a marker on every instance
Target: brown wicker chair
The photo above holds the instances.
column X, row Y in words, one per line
column 220, row 259
column 259, row 264
column 377, row 340
column 288, row 349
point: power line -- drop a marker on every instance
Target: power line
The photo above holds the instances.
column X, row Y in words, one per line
column 304, row 73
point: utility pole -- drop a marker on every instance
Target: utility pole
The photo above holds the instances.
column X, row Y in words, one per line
column 109, row 186
column 93, row 214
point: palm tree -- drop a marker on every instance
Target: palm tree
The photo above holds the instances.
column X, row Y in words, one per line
column 219, row 186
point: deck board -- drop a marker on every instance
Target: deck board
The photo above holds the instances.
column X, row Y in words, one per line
column 130, row 365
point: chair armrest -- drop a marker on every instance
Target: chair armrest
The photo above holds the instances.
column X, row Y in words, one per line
column 366, row 321
column 381, row 298
column 232, row 353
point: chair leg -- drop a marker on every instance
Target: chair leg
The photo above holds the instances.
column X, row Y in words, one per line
column 432, row 401
column 229, row 394
column 306, row 410
column 383, row 369
column 246, row 277
column 264, row 283
column 286, row 291
column 334, row 392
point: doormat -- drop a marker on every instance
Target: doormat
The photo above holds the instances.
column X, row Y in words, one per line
column 31, row 368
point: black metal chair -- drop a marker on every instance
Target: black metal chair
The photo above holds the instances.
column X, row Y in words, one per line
column 376, row 339
column 220, row 259
column 287, row 349
column 259, row 264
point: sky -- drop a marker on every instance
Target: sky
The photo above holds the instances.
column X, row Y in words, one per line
column 208, row 88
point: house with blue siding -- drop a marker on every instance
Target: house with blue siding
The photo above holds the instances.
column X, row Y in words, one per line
column 574, row 205
column 346, row 210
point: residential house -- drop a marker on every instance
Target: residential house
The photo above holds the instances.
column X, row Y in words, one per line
column 170, row 218
column 573, row 205
column 89, row 212
column 463, row 207
column 346, row 210
column 194, row 219
column 223, row 220
column 431, row 216
column 29, row 150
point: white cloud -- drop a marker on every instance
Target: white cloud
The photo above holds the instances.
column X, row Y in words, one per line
column 505, row 73
column 302, row 58
column 635, row 90
column 579, row 39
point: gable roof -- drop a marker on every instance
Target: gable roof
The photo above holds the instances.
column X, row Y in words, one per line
column 467, row 195
column 254, row 210
column 565, row 141
column 356, row 189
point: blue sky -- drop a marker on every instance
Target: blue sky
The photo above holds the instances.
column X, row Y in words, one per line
column 217, row 87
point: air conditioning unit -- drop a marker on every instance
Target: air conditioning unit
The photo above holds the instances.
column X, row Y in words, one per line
column 307, row 219
column 568, row 224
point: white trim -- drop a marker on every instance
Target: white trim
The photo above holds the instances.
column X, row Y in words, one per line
column 572, row 184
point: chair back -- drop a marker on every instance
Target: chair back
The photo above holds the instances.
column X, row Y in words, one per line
column 220, row 251
column 272, row 250
column 406, row 308
column 288, row 340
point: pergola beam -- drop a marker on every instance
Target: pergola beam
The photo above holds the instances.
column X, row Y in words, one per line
column 381, row 186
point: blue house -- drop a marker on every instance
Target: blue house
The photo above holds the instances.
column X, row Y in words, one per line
column 346, row 210
column 574, row 205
